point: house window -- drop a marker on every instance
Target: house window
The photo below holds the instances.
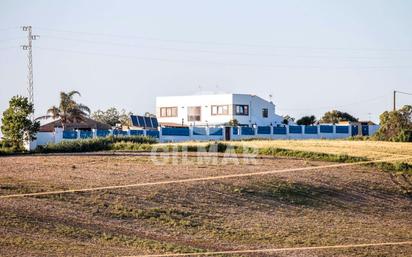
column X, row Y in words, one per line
column 168, row 112
column 242, row 109
column 265, row 112
column 193, row 113
column 220, row 109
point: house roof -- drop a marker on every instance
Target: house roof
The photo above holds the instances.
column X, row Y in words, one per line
column 86, row 124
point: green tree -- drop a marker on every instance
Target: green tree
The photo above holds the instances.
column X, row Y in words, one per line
column 69, row 111
column 396, row 125
column 335, row 116
column 112, row 117
column 125, row 118
column 16, row 125
column 287, row 119
column 232, row 123
column 306, row 120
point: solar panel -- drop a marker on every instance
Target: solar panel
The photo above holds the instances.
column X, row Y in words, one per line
column 148, row 122
column 155, row 123
column 135, row 122
column 141, row 121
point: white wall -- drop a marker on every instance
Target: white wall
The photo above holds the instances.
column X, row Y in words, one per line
column 204, row 101
column 256, row 106
column 255, row 103
column 43, row 138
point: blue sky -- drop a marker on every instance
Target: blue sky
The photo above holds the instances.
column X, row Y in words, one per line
column 312, row 56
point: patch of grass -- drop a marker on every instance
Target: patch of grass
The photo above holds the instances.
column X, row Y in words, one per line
column 131, row 146
column 147, row 244
column 74, row 232
column 403, row 167
column 17, row 188
column 396, row 167
column 284, row 191
column 95, row 144
column 60, row 230
column 273, row 151
column 17, row 241
column 310, row 155
column 170, row 217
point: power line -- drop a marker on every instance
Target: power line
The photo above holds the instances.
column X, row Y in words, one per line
column 10, row 39
column 221, row 43
column 8, row 47
column 368, row 100
column 94, row 42
column 219, row 63
column 400, row 92
column 9, row 28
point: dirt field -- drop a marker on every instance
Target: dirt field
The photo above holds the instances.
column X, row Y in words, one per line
column 348, row 205
column 369, row 149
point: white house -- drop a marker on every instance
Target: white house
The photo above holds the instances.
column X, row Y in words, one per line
column 216, row 109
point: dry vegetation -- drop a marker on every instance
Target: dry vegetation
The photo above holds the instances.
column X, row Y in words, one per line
column 305, row 208
column 368, row 149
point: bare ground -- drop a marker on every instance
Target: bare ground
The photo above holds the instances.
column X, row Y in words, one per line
column 303, row 208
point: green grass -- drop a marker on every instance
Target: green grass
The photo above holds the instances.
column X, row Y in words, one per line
column 284, row 191
column 62, row 230
column 172, row 217
column 403, row 167
column 95, row 144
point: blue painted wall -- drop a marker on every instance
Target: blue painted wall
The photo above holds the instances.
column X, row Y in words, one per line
column 365, row 130
column 311, row 130
column 279, row 130
column 199, row 131
column 326, row 129
column 136, row 132
column 68, row 134
column 102, row 133
column 215, row 131
column 152, row 133
column 247, row 131
column 86, row 134
column 263, row 130
column 295, row 129
column 342, row 129
column 119, row 133
column 175, row 131
column 235, row 131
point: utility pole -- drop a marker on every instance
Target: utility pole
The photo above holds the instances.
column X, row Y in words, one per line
column 28, row 48
column 394, row 100
column 394, row 97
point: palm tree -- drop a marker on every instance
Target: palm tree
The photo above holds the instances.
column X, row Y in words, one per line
column 69, row 111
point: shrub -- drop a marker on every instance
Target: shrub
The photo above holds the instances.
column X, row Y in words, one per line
column 216, row 147
column 396, row 125
column 359, row 138
column 130, row 146
column 133, row 139
column 97, row 144
column 16, row 123
column 7, row 149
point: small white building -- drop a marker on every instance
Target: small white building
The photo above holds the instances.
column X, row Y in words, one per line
column 216, row 109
